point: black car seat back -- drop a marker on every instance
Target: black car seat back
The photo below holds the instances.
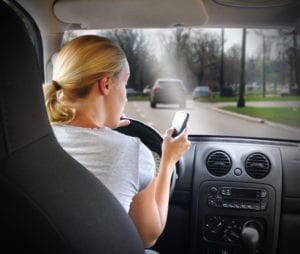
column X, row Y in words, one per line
column 49, row 202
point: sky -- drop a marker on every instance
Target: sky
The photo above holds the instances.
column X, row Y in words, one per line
column 233, row 36
column 253, row 43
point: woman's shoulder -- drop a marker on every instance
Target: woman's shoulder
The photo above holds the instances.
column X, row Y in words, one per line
column 105, row 134
column 125, row 137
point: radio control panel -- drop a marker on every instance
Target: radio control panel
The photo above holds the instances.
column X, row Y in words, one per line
column 227, row 229
column 237, row 198
column 229, row 211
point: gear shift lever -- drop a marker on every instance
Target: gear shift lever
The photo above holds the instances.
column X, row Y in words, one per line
column 250, row 236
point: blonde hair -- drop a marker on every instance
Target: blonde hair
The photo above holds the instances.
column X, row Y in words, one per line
column 79, row 64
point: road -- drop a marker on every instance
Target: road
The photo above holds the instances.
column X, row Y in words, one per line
column 207, row 119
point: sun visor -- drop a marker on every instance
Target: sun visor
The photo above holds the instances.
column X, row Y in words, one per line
column 95, row 14
column 253, row 14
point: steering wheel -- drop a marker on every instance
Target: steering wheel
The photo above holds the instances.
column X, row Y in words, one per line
column 153, row 140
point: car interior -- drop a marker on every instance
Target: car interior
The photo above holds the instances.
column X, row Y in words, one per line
column 229, row 194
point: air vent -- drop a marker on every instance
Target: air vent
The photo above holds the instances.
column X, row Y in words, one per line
column 218, row 163
column 257, row 165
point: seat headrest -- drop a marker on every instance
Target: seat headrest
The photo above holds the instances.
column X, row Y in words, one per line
column 23, row 114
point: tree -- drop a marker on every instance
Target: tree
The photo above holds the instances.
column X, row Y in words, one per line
column 232, row 69
column 194, row 55
column 253, row 70
column 241, row 100
column 297, row 59
column 295, row 66
column 173, row 58
column 135, row 45
column 267, row 43
column 222, row 64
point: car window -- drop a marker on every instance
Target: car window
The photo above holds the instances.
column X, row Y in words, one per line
column 170, row 84
column 263, row 102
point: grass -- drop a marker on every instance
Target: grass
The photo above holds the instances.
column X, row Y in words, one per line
column 286, row 115
column 138, row 97
column 217, row 98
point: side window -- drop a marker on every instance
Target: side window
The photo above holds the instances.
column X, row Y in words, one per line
column 49, row 66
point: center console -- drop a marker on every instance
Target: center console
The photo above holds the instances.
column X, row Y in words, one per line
column 228, row 210
column 235, row 213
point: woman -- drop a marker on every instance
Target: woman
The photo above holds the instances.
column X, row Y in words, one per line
column 85, row 101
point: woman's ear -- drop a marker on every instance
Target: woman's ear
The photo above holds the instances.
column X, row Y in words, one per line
column 104, row 85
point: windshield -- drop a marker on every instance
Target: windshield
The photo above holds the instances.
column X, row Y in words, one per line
column 250, row 79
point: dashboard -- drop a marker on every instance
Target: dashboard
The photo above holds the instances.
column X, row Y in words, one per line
column 235, row 195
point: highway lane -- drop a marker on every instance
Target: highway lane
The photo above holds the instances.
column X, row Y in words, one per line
column 205, row 119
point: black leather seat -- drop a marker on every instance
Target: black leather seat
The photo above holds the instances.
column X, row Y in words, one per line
column 49, row 202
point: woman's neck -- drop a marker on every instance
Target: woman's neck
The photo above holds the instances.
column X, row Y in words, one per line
column 89, row 114
column 88, row 118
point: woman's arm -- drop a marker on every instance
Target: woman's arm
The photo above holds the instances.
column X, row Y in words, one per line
column 149, row 207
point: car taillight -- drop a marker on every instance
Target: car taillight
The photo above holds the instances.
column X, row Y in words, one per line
column 155, row 88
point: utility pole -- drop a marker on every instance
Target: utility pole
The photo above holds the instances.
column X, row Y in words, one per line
column 264, row 66
column 222, row 64
column 241, row 100
column 296, row 65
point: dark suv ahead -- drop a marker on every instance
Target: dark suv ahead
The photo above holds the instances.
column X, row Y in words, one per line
column 168, row 91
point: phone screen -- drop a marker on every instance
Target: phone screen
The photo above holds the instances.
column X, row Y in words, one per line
column 179, row 122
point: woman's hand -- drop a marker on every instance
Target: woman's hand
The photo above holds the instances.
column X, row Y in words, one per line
column 123, row 122
column 174, row 148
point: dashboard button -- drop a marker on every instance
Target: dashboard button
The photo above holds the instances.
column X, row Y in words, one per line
column 238, row 171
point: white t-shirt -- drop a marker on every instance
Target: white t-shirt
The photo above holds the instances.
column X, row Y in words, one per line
column 122, row 163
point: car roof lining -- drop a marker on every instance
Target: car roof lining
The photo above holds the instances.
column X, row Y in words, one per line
column 106, row 14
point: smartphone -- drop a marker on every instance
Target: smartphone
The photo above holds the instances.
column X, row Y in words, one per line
column 179, row 122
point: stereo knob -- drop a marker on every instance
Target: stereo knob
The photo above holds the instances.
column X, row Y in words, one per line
column 215, row 227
